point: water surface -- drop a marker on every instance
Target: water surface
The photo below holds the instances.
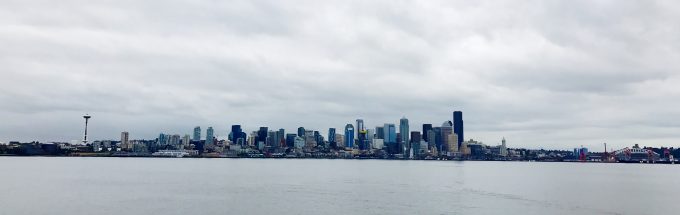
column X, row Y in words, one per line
column 60, row 185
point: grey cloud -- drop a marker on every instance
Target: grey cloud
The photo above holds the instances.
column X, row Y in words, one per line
column 554, row 74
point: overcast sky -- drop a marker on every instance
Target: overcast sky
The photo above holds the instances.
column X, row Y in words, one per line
column 543, row 74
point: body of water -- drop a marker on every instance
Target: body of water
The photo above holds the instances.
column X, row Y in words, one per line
column 61, row 185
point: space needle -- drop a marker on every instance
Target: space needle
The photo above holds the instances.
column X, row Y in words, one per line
column 87, row 117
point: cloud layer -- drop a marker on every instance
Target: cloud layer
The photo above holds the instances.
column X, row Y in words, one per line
column 551, row 74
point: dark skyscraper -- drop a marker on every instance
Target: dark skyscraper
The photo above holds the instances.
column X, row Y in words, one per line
column 236, row 133
column 262, row 134
column 290, row 140
column 301, row 132
column 349, row 136
column 380, row 132
column 426, row 128
column 331, row 136
column 458, row 126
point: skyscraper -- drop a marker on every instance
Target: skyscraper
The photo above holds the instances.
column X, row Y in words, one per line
column 391, row 138
column 209, row 136
column 301, row 132
column 125, row 141
column 349, row 136
column 446, row 130
column 404, row 145
column 359, row 127
column 236, row 134
column 197, row 133
column 262, row 135
column 331, row 136
column 458, row 126
column 426, row 128
column 380, row 132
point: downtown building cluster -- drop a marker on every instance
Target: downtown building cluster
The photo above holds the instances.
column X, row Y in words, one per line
column 354, row 140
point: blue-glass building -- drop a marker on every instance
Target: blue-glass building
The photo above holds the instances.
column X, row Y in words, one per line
column 349, row 136
column 197, row 133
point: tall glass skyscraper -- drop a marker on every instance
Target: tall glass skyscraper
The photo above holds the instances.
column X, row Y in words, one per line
column 404, row 132
column 209, row 136
column 301, row 132
column 426, row 128
column 262, row 134
column 331, row 136
column 458, row 126
column 391, row 138
column 197, row 133
column 349, row 136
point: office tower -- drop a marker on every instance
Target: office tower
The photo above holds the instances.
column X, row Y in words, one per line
column 301, row 132
column 452, row 143
column 262, row 135
column 363, row 140
column 391, row 138
column 310, row 140
column 504, row 148
column 125, row 141
column 174, row 141
column 360, row 127
column 380, row 132
column 415, row 142
column 271, row 139
column 299, row 142
column 446, row 130
column 438, row 140
column 185, row 141
column 290, row 140
column 209, row 136
column 236, row 132
column 331, row 136
column 432, row 137
column 339, row 139
column 426, row 128
column 281, row 137
column 197, row 133
column 404, row 132
column 458, row 126
column 162, row 139
column 349, row 136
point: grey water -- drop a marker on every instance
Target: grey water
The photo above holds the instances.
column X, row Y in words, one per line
column 62, row 185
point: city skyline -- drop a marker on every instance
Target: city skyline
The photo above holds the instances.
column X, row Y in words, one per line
column 544, row 75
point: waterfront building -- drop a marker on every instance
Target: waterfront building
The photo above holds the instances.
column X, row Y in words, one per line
column 504, row 148
column 349, row 136
column 197, row 133
column 458, row 126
